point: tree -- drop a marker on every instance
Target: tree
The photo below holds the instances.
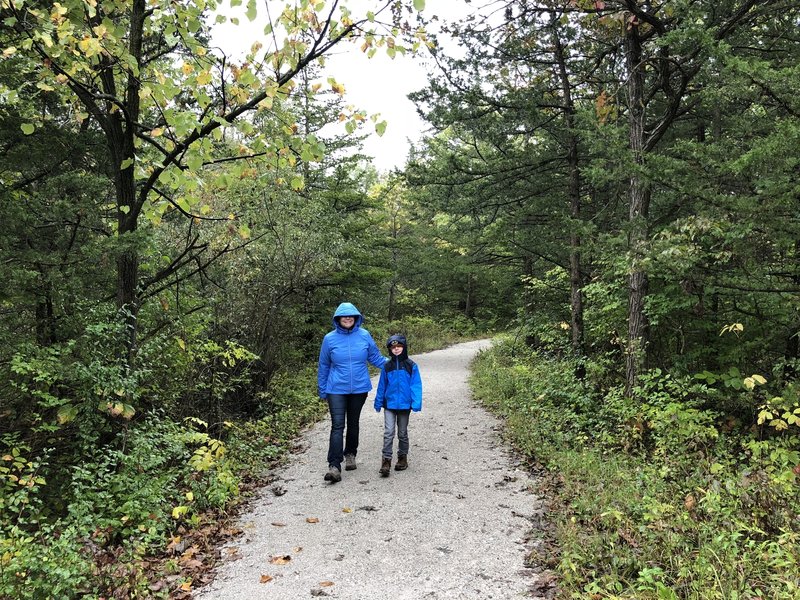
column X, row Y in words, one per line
column 142, row 74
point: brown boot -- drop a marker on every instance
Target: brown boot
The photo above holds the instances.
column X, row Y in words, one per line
column 386, row 466
column 402, row 463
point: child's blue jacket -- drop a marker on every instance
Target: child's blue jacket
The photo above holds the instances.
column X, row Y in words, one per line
column 400, row 384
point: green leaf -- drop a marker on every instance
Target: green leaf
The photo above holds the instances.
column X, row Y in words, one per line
column 380, row 128
column 419, row 5
column 27, row 128
column 66, row 413
column 252, row 12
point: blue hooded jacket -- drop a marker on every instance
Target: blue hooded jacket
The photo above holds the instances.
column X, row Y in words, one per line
column 400, row 384
column 344, row 355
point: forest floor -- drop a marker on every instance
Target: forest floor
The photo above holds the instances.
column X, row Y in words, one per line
column 461, row 522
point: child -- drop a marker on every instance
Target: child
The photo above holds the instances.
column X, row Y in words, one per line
column 399, row 392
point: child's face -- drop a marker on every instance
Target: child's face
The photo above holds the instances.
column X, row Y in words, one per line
column 397, row 350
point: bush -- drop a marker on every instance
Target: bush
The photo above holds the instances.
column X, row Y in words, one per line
column 657, row 496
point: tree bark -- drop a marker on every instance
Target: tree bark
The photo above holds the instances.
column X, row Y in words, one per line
column 574, row 191
column 638, row 214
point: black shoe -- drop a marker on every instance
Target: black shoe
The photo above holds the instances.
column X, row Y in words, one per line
column 386, row 466
column 402, row 463
column 333, row 475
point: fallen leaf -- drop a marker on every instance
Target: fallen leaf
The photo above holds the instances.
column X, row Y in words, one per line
column 347, row 510
column 278, row 524
column 186, row 586
column 312, row 520
column 297, row 549
column 326, row 583
column 280, row 559
column 265, row 578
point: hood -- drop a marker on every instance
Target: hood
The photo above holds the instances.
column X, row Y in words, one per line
column 399, row 337
column 346, row 309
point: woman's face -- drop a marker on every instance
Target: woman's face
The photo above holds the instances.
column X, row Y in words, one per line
column 347, row 322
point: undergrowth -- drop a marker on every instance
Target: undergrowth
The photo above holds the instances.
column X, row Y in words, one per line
column 667, row 495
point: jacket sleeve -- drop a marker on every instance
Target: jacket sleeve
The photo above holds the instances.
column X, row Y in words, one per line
column 324, row 367
column 374, row 356
column 379, row 395
column 416, row 389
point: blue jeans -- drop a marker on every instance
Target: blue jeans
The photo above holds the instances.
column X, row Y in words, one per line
column 400, row 418
column 344, row 408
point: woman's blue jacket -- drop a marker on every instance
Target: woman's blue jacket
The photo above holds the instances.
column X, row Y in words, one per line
column 344, row 355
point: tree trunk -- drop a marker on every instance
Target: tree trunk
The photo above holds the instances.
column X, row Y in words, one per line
column 575, row 278
column 638, row 214
column 121, row 141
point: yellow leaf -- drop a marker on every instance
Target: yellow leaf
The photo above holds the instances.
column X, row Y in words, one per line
column 326, row 583
column 280, row 559
column 187, row 69
column 204, row 78
column 265, row 578
column 186, row 586
column 347, row 510
column 312, row 520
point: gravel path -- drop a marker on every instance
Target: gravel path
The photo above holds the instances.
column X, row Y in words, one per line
column 454, row 525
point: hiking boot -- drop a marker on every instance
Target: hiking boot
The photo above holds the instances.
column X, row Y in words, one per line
column 402, row 463
column 386, row 466
column 349, row 462
column 333, row 475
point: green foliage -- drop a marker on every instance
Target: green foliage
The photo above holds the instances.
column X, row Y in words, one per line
column 657, row 496
column 290, row 404
column 130, row 494
column 424, row 333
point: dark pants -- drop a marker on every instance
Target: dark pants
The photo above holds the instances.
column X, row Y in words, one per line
column 345, row 409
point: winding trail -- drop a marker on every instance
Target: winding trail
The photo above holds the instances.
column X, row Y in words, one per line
column 456, row 524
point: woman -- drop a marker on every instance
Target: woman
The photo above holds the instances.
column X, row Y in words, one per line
column 343, row 381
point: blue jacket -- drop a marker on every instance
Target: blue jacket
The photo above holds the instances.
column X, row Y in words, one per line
column 344, row 355
column 400, row 384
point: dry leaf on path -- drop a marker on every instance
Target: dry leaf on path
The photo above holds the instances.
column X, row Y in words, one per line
column 297, row 549
column 266, row 578
column 278, row 524
column 312, row 520
column 280, row 559
column 326, row 583
column 347, row 510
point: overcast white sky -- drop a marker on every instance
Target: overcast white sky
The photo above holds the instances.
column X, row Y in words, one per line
column 376, row 85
